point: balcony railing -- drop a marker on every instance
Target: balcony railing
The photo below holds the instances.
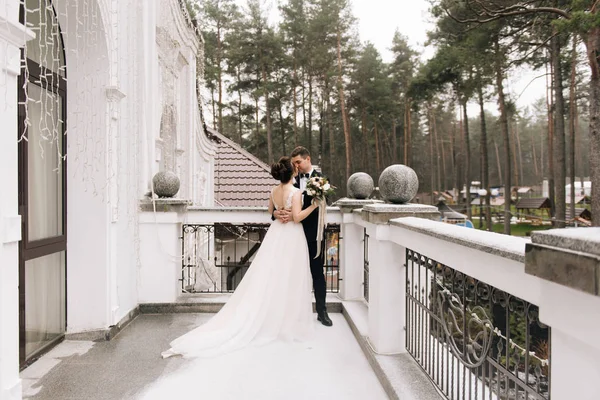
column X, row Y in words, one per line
column 473, row 340
column 217, row 256
column 459, row 301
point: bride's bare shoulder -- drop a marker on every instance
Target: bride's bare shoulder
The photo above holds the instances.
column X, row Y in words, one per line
column 275, row 190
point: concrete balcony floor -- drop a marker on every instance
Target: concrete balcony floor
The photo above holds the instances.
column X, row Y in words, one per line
column 330, row 366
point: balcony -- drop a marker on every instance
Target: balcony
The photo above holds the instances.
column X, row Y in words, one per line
column 421, row 310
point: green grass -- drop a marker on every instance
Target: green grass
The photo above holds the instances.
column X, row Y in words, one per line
column 515, row 230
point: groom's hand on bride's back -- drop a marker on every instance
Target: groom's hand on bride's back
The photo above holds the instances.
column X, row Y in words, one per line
column 284, row 216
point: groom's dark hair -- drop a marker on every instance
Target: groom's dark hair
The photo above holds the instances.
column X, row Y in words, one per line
column 283, row 169
column 300, row 151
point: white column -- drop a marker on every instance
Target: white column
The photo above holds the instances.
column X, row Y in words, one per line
column 387, row 280
column 114, row 139
column 12, row 37
column 351, row 258
column 387, row 285
column 567, row 382
column 352, row 248
column 89, row 213
column 160, row 257
column 148, row 117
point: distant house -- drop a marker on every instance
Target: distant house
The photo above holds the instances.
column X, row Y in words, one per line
column 473, row 190
column 449, row 215
column 585, row 189
column 524, row 191
column 534, row 203
column 445, row 196
column 494, row 201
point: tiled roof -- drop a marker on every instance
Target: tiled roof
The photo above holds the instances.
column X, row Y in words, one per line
column 533, row 203
column 240, row 178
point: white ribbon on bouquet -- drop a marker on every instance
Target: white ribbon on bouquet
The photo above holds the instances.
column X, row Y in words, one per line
column 321, row 224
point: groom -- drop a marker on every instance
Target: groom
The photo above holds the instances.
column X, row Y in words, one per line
column 301, row 159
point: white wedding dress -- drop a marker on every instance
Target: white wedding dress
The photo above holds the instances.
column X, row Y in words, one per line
column 273, row 300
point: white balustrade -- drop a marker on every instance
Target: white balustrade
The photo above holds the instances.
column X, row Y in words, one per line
column 492, row 259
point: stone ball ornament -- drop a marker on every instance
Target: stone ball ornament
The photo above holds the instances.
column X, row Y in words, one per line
column 398, row 184
column 360, row 186
column 166, row 184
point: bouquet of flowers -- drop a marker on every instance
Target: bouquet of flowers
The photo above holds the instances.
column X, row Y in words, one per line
column 319, row 188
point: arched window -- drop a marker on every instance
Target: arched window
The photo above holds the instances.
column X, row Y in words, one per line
column 42, row 182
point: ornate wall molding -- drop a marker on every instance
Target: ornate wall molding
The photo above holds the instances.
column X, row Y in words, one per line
column 15, row 35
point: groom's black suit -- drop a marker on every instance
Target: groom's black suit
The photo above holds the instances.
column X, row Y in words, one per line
column 310, row 225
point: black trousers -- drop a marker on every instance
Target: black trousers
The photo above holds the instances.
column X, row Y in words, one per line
column 318, row 278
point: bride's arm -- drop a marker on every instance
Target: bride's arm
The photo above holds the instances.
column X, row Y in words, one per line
column 297, row 212
column 271, row 207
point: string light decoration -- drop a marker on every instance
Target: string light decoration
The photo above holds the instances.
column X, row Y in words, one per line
column 43, row 98
column 40, row 96
column 105, row 52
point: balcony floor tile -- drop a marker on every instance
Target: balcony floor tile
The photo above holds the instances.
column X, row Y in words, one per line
column 331, row 366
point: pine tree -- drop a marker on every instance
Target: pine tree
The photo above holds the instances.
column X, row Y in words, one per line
column 402, row 70
column 218, row 16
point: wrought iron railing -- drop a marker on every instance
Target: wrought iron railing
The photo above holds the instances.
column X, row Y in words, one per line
column 216, row 257
column 366, row 265
column 332, row 258
column 473, row 340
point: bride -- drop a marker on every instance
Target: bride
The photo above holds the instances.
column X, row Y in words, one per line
column 274, row 300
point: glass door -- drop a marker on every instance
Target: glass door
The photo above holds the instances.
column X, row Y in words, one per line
column 42, row 184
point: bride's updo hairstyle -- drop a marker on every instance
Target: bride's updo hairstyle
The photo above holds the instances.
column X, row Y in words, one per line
column 283, row 169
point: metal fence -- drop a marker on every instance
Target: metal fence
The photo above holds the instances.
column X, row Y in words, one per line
column 331, row 263
column 216, row 257
column 473, row 340
column 366, row 265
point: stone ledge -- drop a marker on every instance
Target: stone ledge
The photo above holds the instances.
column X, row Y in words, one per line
column 401, row 208
column 511, row 247
column 261, row 209
column 228, row 209
column 208, row 306
column 400, row 376
column 347, row 205
column 569, row 257
column 176, row 308
column 585, row 240
column 165, row 205
column 574, row 269
column 383, row 213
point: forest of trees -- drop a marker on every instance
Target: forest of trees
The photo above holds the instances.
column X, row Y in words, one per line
column 309, row 80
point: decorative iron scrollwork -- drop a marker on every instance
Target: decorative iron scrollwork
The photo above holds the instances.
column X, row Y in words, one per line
column 464, row 332
column 469, row 330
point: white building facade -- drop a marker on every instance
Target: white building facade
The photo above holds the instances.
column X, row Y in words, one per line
column 97, row 96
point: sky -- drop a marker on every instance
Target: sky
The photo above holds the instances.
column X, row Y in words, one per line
column 378, row 20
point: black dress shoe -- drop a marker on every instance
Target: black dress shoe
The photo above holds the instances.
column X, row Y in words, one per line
column 324, row 319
